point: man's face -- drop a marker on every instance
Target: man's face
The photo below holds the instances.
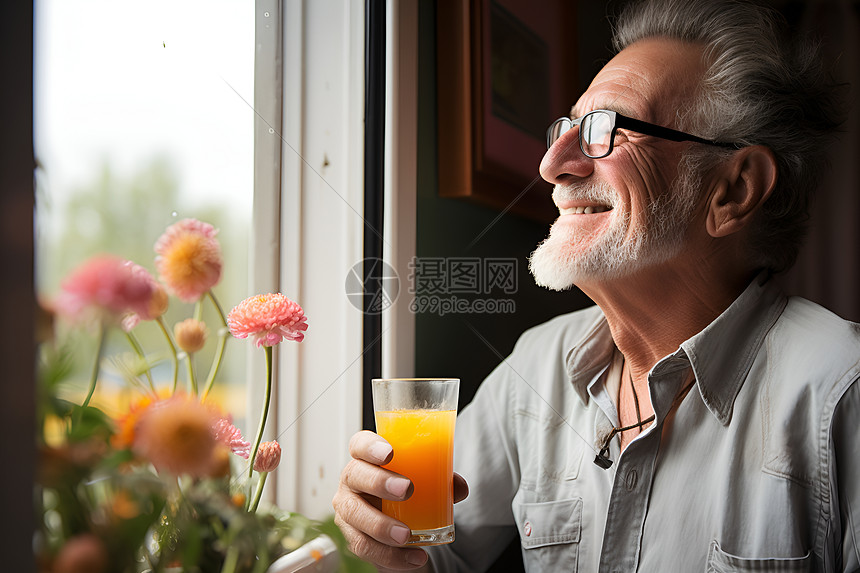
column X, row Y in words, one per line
column 628, row 211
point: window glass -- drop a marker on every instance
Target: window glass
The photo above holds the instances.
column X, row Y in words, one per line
column 143, row 118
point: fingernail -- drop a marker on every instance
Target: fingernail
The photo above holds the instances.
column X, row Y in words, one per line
column 380, row 451
column 416, row 557
column 400, row 534
column 397, row 486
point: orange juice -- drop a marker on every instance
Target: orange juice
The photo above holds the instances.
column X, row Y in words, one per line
column 423, row 442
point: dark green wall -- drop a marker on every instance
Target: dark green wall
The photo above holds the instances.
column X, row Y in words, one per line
column 469, row 346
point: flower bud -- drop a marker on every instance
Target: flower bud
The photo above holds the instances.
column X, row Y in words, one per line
column 268, row 457
column 190, row 335
column 158, row 303
column 238, row 499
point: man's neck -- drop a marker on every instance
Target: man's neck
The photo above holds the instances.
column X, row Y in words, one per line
column 652, row 312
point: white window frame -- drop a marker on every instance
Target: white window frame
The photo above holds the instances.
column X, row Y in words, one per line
column 401, row 181
column 308, row 229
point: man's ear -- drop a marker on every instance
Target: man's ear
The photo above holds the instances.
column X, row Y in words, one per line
column 739, row 187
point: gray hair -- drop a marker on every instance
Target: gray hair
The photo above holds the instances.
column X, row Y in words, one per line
column 759, row 88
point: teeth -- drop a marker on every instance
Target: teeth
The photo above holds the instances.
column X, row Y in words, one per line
column 584, row 210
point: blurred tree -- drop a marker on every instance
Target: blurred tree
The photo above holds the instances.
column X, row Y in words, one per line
column 124, row 216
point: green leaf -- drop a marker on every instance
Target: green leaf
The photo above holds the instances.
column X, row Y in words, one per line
column 88, row 423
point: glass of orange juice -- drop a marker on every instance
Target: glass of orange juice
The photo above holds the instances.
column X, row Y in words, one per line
column 416, row 416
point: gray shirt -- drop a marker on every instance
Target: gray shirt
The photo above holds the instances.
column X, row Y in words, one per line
column 754, row 469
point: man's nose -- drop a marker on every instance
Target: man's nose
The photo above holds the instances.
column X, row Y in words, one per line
column 565, row 159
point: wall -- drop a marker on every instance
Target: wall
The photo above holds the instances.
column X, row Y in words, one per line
column 470, row 345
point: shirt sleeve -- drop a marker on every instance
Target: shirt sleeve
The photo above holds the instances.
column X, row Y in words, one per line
column 846, row 444
column 485, row 455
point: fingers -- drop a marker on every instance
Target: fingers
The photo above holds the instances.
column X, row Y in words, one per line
column 372, row 535
column 461, row 488
column 363, row 477
column 354, row 509
column 369, row 549
column 370, row 447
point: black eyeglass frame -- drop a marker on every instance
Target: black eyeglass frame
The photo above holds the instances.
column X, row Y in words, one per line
column 624, row 122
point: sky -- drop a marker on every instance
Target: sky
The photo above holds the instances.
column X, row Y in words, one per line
column 125, row 82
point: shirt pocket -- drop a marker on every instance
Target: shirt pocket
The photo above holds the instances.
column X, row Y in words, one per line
column 550, row 533
column 721, row 562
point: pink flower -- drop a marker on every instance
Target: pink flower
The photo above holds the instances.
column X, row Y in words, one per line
column 189, row 258
column 269, row 318
column 229, row 435
column 268, row 457
column 83, row 553
column 157, row 302
column 106, row 288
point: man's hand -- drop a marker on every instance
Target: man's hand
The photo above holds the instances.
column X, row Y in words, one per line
column 372, row 535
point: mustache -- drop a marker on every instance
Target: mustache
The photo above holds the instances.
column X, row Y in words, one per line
column 601, row 193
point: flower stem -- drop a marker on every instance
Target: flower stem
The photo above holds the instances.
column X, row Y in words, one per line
column 259, row 494
column 172, row 351
column 230, row 560
column 138, row 349
column 219, row 352
column 192, row 379
column 266, row 401
column 95, row 376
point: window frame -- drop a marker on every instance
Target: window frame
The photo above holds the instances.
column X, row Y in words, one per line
column 308, row 201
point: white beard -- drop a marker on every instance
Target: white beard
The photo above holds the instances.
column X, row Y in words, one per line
column 564, row 258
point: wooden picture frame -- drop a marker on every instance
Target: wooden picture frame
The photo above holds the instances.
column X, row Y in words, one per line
column 505, row 72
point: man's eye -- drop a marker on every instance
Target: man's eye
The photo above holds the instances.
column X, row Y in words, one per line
column 621, row 136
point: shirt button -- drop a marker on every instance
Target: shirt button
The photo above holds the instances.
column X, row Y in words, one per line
column 630, row 480
column 527, row 528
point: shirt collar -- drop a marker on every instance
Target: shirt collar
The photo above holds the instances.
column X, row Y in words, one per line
column 721, row 354
column 590, row 357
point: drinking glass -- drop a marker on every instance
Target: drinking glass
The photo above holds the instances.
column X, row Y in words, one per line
column 416, row 416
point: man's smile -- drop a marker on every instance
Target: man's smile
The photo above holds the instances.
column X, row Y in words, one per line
column 584, row 210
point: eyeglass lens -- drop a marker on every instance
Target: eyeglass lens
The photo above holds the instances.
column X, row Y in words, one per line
column 558, row 128
column 595, row 135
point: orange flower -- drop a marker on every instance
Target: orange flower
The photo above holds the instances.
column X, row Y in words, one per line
column 127, row 424
column 124, row 506
column 190, row 335
column 189, row 258
column 176, row 436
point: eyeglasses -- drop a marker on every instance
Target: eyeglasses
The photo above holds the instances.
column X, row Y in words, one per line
column 597, row 132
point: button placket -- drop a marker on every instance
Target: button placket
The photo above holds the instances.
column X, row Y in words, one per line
column 622, row 533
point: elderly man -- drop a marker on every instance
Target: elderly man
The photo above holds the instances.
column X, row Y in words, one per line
column 696, row 418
